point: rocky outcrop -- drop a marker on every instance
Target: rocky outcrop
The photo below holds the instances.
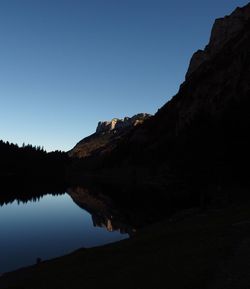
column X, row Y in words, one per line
column 119, row 124
column 224, row 29
column 107, row 135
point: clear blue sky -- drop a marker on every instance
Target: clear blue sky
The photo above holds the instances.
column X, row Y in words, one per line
column 66, row 64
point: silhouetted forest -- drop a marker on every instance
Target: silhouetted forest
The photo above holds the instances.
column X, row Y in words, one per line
column 31, row 162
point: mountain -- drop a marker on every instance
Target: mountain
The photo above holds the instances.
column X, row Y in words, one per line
column 107, row 135
column 223, row 30
column 201, row 135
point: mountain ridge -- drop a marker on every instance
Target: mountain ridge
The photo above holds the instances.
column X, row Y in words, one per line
column 107, row 135
column 223, row 30
column 197, row 132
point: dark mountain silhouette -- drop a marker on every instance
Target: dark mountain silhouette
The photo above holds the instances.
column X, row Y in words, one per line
column 201, row 136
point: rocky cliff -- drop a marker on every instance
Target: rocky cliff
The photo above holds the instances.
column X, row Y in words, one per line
column 202, row 133
column 119, row 124
column 224, row 29
column 107, row 135
column 201, row 136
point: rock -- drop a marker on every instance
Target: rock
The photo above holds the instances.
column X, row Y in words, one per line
column 224, row 29
column 118, row 124
column 107, row 134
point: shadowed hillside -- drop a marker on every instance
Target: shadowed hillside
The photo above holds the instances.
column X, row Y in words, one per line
column 201, row 136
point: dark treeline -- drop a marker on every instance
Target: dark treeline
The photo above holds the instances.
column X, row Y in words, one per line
column 31, row 162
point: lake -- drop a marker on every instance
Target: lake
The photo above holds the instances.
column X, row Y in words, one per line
column 53, row 225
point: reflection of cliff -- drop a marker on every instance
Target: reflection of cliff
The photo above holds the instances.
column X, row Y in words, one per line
column 111, row 224
column 102, row 209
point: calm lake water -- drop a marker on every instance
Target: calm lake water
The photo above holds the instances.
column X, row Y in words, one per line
column 51, row 226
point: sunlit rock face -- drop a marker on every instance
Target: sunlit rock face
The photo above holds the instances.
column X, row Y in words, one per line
column 118, row 124
column 224, row 29
column 107, row 134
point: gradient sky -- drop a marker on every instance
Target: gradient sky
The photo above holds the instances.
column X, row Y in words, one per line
column 66, row 64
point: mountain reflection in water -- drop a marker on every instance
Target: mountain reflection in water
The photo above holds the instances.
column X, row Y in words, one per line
column 102, row 209
column 49, row 225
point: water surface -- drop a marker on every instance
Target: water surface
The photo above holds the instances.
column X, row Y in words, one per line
column 48, row 227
